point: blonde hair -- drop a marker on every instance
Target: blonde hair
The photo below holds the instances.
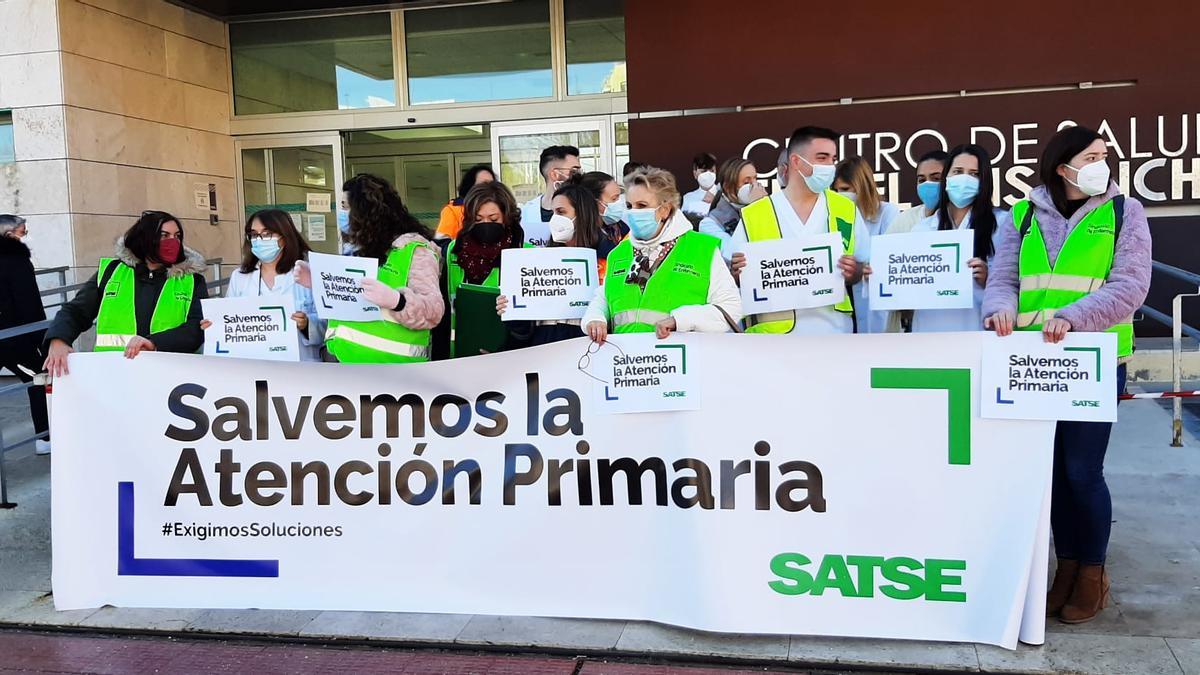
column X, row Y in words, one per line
column 857, row 172
column 659, row 181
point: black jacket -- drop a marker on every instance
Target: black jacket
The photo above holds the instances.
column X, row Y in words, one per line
column 20, row 301
column 80, row 313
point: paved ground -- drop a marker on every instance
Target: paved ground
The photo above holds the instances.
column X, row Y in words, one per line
column 57, row 653
column 1153, row 628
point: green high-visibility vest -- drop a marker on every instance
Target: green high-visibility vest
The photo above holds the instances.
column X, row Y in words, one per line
column 762, row 224
column 385, row 340
column 116, row 324
column 682, row 279
column 1082, row 266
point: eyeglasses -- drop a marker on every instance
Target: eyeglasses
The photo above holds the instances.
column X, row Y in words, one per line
column 261, row 236
column 585, row 361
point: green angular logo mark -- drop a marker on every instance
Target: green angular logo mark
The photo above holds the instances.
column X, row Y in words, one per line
column 956, row 382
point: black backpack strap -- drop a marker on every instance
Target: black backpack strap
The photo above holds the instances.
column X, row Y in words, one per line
column 1027, row 220
column 1119, row 216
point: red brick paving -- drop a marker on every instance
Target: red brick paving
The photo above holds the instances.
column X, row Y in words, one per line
column 605, row 668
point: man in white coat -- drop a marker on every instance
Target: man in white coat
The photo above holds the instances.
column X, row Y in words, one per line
column 557, row 164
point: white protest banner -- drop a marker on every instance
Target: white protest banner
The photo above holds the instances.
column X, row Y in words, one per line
column 784, row 274
column 1027, row 378
column 251, row 328
column 547, row 283
column 637, row 372
column 922, row 270
column 337, row 289
column 773, row 508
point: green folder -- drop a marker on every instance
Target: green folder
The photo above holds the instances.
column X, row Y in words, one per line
column 477, row 327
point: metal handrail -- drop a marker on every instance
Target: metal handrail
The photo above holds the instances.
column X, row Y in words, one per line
column 1165, row 319
column 1178, row 330
column 40, row 326
column 50, row 270
column 1191, row 278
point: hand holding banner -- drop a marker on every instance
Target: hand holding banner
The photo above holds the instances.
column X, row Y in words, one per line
column 251, row 328
column 547, row 283
column 1026, row 378
column 922, row 270
column 336, row 286
column 784, row 274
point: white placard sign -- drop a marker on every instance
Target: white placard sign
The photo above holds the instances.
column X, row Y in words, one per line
column 537, row 233
column 317, row 201
column 800, row 273
column 1026, row 378
column 336, row 286
column 251, row 328
column 316, row 226
column 637, row 373
column 922, row 270
column 547, row 283
column 773, row 508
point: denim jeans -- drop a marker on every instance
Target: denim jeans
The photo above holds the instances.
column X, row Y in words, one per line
column 1080, row 505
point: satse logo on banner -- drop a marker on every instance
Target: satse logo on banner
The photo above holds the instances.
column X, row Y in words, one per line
column 337, row 285
column 1024, row 377
column 547, row 283
column 640, row 373
column 922, row 270
column 786, row 274
column 251, row 328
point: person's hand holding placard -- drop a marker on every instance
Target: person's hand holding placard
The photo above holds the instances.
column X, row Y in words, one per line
column 337, row 286
column 922, row 270
column 547, row 283
column 787, row 274
column 251, row 328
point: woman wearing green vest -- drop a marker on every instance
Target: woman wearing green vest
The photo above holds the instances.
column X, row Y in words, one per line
column 145, row 298
column 1075, row 256
column 664, row 277
column 491, row 223
column 405, row 287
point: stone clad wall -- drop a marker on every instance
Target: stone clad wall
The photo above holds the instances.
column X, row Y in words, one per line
column 146, row 119
column 31, row 87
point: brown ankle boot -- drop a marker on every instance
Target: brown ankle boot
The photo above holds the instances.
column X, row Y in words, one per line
column 1089, row 597
column 1064, row 583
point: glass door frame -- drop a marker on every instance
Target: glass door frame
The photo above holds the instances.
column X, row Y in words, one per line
column 600, row 123
column 332, row 139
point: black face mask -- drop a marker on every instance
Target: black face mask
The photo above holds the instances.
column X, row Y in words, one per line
column 487, row 232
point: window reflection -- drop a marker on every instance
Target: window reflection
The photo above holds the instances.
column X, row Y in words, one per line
column 595, row 32
column 484, row 52
column 331, row 63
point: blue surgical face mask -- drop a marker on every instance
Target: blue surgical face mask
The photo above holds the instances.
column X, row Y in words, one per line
column 643, row 224
column 614, row 212
column 265, row 250
column 343, row 221
column 961, row 189
column 929, row 191
column 821, row 178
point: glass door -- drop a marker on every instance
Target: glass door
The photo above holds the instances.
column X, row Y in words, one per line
column 298, row 174
column 517, row 147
